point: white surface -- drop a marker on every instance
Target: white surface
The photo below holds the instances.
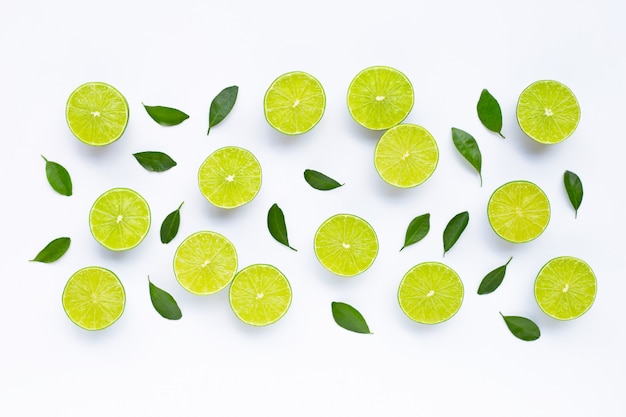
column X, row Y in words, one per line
column 181, row 54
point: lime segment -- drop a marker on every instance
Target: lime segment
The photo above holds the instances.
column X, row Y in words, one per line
column 230, row 177
column 260, row 295
column 93, row 298
column 430, row 293
column 294, row 103
column 406, row 155
column 565, row 288
column 380, row 97
column 346, row 245
column 205, row 263
column 97, row 113
column 518, row 211
column 548, row 111
column 119, row 219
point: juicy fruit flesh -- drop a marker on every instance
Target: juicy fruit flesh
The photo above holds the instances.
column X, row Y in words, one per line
column 430, row 293
column 548, row 111
column 518, row 211
column 97, row 114
column 205, row 263
column 380, row 97
column 294, row 103
column 93, row 298
column 406, row 155
column 346, row 245
column 119, row 219
column 230, row 177
column 565, row 288
column 260, row 295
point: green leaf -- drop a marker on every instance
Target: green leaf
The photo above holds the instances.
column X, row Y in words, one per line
column 166, row 116
column 349, row 318
column 522, row 328
column 489, row 112
column 53, row 250
column 492, row 280
column 155, row 161
column 574, row 188
column 467, row 146
column 454, row 229
column 164, row 303
column 276, row 225
column 417, row 230
column 320, row 181
column 221, row 105
column 58, row 177
column 169, row 227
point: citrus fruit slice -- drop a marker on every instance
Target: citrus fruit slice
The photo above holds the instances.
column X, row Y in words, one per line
column 406, row 155
column 93, row 298
column 230, row 177
column 294, row 103
column 430, row 293
column 96, row 113
column 548, row 111
column 119, row 219
column 260, row 295
column 346, row 245
column 205, row 263
column 565, row 288
column 518, row 211
column 380, row 97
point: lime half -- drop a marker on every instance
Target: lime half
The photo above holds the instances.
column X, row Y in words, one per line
column 94, row 298
column 260, row 295
column 97, row 113
column 565, row 288
column 406, row 155
column 430, row 293
column 518, row 211
column 230, row 177
column 548, row 111
column 119, row 219
column 346, row 245
column 294, row 103
column 380, row 97
column 205, row 263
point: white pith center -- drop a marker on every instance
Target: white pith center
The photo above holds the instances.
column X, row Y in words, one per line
column 205, row 263
column 119, row 218
column 295, row 103
column 380, row 98
column 230, row 178
column 95, row 113
column 345, row 245
column 406, row 155
column 548, row 112
column 566, row 288
column 260, row 295
column 430, row 293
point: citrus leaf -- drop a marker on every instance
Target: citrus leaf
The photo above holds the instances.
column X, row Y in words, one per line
column 166, row 116
column 53, row 250
column 276, row 225
column 489, row 112
column 454, row 229
column 468, row 148
column 164, row 303
column 522, row 328
column 320, row 181
column 417, row 230
column 58, row 177
column 349, row 318
column 154, row 161
column 574, row 188
column 493, row 279
column 169, row 227
column 221, row 105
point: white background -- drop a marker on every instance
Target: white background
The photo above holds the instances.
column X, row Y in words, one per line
column 181, row 54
